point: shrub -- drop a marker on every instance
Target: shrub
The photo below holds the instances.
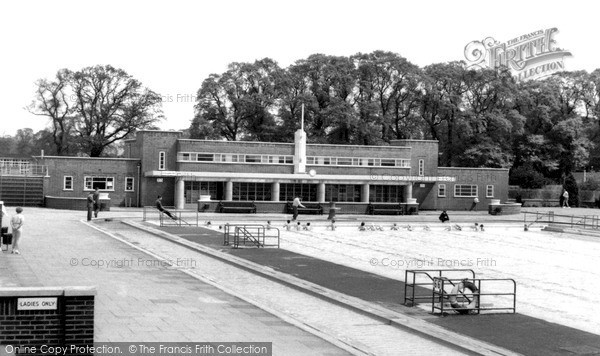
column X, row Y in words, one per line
column 590, row 184
column 527, row 177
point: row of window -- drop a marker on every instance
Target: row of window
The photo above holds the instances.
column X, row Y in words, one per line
column 102, row 183
column 357, row 161
column 287, row 159
column 466, row 190
column 288, row 191
column 234, row 158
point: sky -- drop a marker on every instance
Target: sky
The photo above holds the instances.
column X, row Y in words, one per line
column 172, row 46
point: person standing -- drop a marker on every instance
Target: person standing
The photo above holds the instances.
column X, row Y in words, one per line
column 565, row 197
column 474, row 205
column 295, row 205
column 90, row 205
column 96, row 202
column 16, row 222
column 332, row 210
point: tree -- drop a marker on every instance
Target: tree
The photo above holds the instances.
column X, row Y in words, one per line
column 52, row 99
column 388, row 95
column 443, row 89
column 109, row 106
column 239, row 103
column 7, row 145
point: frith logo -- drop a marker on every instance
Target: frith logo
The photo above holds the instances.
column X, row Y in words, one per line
column 530, row 56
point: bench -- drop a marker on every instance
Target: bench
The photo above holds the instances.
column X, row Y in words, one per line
column 236, row 207
column 308, row 208
column 385, row 209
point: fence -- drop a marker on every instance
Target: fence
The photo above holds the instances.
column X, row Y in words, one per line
column 573, row 221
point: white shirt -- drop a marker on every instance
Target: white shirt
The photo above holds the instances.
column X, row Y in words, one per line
column 17, row 222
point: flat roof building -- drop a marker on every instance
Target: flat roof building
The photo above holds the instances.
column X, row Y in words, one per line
column 185, row 171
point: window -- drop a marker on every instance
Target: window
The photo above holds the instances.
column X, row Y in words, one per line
column 253, row 158
column 489, row 191
column 288, row 191
column 421, row 167
column 162, row 157
column 193, row 190
column 129, row 181
column 102, row 183
column 342, row 192
column 441, row 190
column 251, row 191
column 465, row 190
column 388, row 162
column 344, row 161
column 205, row 157
column 68, row 183
column 386, row 193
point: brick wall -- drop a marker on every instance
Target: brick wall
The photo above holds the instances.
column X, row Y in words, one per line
column 78, row 168
column 72, row 323
column 427, row 150
column 497, row 177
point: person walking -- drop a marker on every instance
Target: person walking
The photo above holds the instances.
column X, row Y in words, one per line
column 332, row 210
column 565, row 197
column 295, row 205
column 96, row 202
column 474, row 205
column 90, row 205
column 16, row 222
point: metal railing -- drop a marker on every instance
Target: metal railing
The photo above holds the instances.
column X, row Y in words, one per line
column 464, row 300
column 585, row 221
column 254, row 234
column 24, row 170
column 427, row 281
column 184, row 217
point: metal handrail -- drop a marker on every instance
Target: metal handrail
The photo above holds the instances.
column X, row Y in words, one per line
column 585, row 221
column 24, row 170
column 413, row 298
column 261, row 234
column 439, row 294
column 147, row 210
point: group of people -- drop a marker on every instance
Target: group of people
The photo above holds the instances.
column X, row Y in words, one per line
column 16, row 223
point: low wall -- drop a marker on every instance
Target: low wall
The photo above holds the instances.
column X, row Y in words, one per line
column 504, row 209
column 35, row 316
column 73, row 203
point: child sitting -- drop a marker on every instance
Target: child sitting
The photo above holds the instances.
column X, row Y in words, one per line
column 307, row 227
column 298, row 226
column 426, row 228
column 394, row 227
column 457, row 227
column 481, row 227
column 409, row 228
column 475, row 227
column 362, row 227
column 332, row 225
column 287, row 226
